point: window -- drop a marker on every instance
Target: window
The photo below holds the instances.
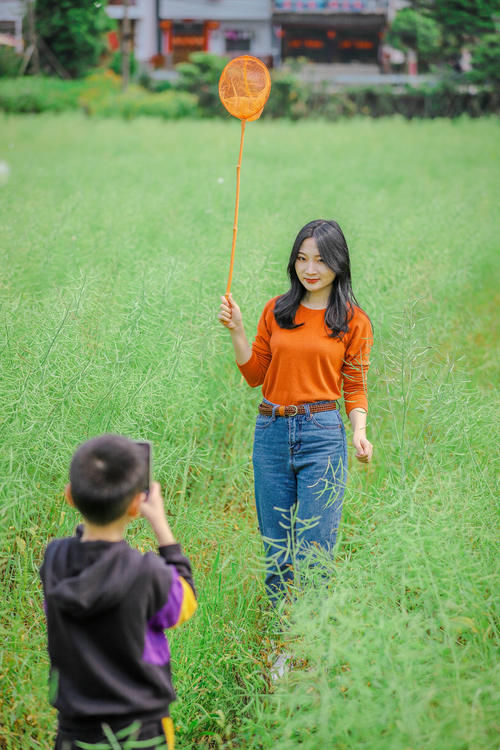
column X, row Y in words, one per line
column 8, row 27
column 238, row 40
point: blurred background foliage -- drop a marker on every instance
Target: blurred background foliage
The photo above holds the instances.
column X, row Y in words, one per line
column 74, row 32
column 194, row 94
column 438, row 31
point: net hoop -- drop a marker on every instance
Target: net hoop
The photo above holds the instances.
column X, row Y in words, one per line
column 244, row 87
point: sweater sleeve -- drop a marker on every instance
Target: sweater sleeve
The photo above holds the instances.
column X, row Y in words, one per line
column 172, row 554
column 356, row 363
column 254, row 371
column 181, row 602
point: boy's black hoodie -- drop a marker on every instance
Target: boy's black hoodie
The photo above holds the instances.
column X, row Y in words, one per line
column 107, row 606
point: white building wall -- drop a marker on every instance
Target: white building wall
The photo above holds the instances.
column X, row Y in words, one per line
column 260, row 43
column 143, row 15
column 216, row 10
column 146, row 31
column 13, row 12
column 251, row 16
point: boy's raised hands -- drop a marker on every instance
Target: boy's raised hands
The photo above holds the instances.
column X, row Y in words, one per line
column 152, row 509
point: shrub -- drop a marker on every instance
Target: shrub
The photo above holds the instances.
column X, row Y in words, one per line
column 169, row 105
column 104, row 79
column 287, row 98
column 137, row 102
column 159, row 86
column 443, row 100
column 293, row 100
column 373, row 102
column 116, row 63
column 99, row 94
column 10, row 62
column 38, row 94
column 200, row 76
column 149, row 83
column 99, row 85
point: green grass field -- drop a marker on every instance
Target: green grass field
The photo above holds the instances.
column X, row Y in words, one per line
column 114, row 251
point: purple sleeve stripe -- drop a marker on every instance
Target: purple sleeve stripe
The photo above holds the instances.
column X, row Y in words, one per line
column 156, row 648
column 168, row 615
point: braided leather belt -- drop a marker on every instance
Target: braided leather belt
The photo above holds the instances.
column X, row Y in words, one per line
column 290, row 411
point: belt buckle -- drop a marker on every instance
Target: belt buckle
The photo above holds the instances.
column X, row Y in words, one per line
column 292, row 406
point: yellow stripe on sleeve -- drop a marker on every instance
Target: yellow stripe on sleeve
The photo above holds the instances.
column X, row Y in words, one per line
column 189, row 603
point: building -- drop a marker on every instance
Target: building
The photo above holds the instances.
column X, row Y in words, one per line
column 224, row 27
column 165, row 32
column 325, row 31
column 143, row 24
column 11, row 23
column 169, row 30
column 330, row 31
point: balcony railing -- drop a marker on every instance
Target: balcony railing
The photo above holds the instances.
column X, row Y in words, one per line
column 332, row 6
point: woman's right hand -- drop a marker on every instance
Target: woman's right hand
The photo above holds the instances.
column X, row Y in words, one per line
column 230, row 314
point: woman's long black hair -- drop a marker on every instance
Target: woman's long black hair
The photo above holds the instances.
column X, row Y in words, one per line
column 333, row 249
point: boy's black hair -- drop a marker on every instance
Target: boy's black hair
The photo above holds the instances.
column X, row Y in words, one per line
column 105, row 473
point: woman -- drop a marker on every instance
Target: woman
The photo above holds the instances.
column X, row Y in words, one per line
column 310, row 342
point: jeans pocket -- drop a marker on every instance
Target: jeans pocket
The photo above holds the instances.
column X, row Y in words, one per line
column 327, row 420
column 263, row 421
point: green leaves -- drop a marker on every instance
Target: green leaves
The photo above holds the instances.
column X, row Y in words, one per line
column 411, row 29
column 74, row 32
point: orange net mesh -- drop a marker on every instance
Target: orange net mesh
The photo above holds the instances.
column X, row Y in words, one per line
column 244, row 87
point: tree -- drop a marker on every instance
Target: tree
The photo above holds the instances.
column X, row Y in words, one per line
column 462, row 22
column 466, row 18
column 126, row 45
column 486, row 60
column 413, row 30
column 74, row 31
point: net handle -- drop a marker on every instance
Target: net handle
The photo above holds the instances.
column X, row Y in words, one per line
column 235, row 224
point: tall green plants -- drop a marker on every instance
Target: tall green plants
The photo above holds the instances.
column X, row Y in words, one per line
column 382, row 655
column 112, row 265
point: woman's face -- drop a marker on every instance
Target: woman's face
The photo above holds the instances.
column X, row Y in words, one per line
column 313, row 273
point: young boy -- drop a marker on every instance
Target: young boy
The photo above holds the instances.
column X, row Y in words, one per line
column 107, row 605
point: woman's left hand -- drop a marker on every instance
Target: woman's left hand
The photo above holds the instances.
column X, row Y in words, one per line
column 364, row 449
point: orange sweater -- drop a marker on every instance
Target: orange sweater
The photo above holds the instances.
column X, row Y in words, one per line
column 304, row 364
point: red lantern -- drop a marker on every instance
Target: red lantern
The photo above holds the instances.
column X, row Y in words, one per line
column 113, row 41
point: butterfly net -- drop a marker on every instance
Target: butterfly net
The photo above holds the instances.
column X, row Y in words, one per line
column 244, row 87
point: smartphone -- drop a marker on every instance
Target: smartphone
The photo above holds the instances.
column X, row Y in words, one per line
column 147, row 449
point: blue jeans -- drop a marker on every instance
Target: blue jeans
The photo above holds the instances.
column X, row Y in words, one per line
column 300, row 471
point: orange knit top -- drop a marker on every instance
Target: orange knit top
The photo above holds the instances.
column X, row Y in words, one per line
column 302, row 365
